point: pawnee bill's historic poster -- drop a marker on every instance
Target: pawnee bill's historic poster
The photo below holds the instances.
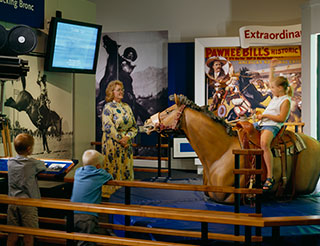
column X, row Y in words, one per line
column 237, row 85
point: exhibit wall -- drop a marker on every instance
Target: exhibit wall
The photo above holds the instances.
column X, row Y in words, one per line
column 76, row 87
column 185, row 20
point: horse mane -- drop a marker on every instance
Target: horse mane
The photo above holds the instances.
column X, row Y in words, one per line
column 204, row 109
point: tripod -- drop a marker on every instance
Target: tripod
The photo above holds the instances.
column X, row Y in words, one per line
column 11, row 68
column 4, row 126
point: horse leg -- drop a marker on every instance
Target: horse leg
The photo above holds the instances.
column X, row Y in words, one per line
column 45, row 143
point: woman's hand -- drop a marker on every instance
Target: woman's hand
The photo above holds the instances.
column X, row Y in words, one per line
column 124, row 141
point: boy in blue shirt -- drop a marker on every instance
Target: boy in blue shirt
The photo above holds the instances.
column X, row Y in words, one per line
column 88, row 181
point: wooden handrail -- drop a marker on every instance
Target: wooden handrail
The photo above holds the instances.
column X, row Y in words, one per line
column 141, row 211
column 172, row 186
column 137, row 145
column 113, row 240
column 150, row 158
column 159, row 231
column 298, row 126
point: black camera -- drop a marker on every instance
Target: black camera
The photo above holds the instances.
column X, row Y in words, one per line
column 19, row 40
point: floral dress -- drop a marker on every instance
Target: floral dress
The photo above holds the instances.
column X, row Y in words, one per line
column 117, row 121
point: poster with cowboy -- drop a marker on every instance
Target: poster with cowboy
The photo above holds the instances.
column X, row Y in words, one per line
column 237, row 79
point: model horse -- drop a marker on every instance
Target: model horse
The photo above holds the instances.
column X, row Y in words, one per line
column 41, row 116
column 213, row 140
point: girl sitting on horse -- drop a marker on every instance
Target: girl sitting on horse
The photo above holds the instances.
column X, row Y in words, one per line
column 273, row 118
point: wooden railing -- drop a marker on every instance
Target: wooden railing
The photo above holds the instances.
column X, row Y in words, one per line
column 247, row 220
column 295, row 126
column 236, row 218
column 141, row 211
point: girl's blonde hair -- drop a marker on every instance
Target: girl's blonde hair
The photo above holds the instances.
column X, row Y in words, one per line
column 110, row 88
column 282, row 81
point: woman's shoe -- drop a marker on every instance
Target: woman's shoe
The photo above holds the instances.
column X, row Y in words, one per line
column 268, row 184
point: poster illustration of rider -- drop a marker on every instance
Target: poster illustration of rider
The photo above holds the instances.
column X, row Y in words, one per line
column 137, row 60
column 237, row 79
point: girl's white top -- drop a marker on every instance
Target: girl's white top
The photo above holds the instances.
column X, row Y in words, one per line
column 274, row 109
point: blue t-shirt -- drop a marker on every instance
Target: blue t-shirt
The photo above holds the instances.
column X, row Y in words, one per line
column 88, row 181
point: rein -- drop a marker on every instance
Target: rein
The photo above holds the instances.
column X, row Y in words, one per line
column 156, row 120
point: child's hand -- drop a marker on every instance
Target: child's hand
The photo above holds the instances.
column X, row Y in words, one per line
column 259, row 117
column 274, row 62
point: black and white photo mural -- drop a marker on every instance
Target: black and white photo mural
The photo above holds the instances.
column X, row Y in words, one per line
column 41, row 108
column 139, row 61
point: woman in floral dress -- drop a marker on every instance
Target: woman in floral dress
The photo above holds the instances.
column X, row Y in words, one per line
column 119, row 128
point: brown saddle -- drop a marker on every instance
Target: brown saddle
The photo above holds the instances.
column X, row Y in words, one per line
column 282, row 144
column 249, row 136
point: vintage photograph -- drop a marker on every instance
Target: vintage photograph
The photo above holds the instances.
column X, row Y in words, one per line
column 36, row 106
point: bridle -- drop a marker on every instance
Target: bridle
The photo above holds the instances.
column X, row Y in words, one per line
column 156, row 120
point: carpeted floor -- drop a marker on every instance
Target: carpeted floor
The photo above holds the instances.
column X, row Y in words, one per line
column 298, row 235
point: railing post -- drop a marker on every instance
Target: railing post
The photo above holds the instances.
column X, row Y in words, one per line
column 169, row 156
column 258, row 196
column 127, row 202
column 159, row 155
column 70, row 225
column 204, row 232
column 247, row 235
column 258, row 154
column 237, row 195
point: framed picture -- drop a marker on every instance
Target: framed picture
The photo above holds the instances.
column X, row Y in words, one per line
column 182, row 148
column 201, row 44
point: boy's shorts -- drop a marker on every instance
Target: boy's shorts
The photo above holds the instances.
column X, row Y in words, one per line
column 86, row 223
column 273, row 129
column 23, row 216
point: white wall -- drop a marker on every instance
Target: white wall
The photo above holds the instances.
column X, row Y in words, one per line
column 185, row 20
column 310, row 25
column 83, row 84
column 189, row 19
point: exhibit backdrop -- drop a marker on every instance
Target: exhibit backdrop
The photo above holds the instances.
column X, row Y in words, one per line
column 41, row 109
column 139, row 60
column 248, row 69
column 247, row 77
column 202, row 95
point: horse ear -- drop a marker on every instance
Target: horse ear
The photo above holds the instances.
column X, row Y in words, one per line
column 176, row 99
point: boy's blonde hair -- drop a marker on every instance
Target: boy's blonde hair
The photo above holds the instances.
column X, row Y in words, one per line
column 22, row 143
column 93, row 158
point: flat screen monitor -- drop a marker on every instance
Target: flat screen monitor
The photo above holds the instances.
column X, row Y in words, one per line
column 72, row 46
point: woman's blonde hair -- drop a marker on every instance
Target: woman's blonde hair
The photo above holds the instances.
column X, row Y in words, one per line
column 110, row 88
column 282, row 81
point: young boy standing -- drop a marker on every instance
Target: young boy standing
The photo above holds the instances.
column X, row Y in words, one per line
column 22, row 182
column 88, row 181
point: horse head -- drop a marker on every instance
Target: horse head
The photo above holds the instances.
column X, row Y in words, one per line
column 168, row 119
column 244, row 77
